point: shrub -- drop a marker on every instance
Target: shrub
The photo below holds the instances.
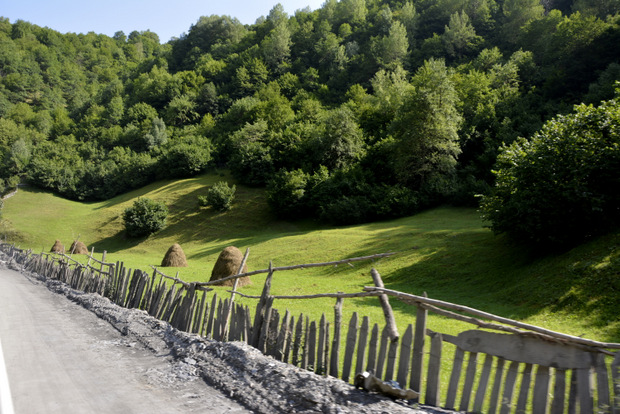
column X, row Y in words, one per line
column 220, row 196
column 560, row 187
column 145, row 217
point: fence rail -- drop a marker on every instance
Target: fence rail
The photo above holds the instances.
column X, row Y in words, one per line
column 521, row 368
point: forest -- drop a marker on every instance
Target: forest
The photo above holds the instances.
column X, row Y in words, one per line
column 361, row 110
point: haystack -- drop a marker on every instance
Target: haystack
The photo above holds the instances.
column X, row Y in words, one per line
column 57, row 247
column 174, row 257
column 78, row 247
column 227, row 264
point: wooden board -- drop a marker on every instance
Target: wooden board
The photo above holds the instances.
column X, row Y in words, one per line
column 434, row 368
column 361, row 347
column 483, row 383
column 405, row 357
column 350, row 348
column 521, row 348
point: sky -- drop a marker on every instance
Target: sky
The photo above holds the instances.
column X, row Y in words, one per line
column 167, row 18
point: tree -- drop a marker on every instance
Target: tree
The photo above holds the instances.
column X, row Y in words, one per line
column 460, row 37
column 276, row 47
column 341, row 140
column 426, row 129
column 220, row 196
column 145, row 217
column 517, row 13
column 561, row 186
column 392, row 49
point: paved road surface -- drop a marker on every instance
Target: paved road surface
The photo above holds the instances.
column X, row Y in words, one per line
column 61, row 358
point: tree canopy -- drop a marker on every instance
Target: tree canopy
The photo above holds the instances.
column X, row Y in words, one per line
column 362, row 109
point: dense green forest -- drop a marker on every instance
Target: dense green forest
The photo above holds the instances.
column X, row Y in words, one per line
column 358, row 111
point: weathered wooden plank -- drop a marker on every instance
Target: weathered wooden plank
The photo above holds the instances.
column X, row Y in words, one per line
column 320, row 357
column 483, row 383
column 326, row 352
column 615, row 375
column 335, row 356
column 602, row 385
column 217, row 323
column 281, row 341
column 417, row 359
column 391, row 359
column 433, row 386
column 572, row 395
column 525, row 349
column 264, row 328
column 350, row 347
column 584, row 391
column 297, row 342
column 172, row 305
column 497, row 383
column 468, row 386
column 382, row 352
column 272, row 333
column 306, row 346
column 559, row 389
column 541, row 390
column 260, row 312
column 509, row 387
column 372, row 350
column 211, row 319
column 199, row 313
column 289, row 340
column 455, row 378
column 361, row 347
column 524, row 390
column 405, row 357
column 312, row 346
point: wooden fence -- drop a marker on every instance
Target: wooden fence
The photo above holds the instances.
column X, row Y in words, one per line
column 523, row 369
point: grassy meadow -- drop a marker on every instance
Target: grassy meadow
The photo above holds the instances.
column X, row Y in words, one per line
column 445, row 252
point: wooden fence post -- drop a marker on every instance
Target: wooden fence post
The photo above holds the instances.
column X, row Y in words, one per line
column 335, row 356
column 232, row 297
column 361, row 347
column 417, row 360
column 390, row 321
column 260, row 311
column 615, row 374
column 434, row 369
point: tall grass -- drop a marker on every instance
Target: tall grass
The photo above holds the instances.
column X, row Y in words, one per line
column 445, row 252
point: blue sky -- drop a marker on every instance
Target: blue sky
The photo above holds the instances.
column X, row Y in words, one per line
column 167, row 18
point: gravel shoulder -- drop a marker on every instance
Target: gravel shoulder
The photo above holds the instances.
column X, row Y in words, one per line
column 258, row 382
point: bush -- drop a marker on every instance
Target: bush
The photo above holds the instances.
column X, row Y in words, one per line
column 145, row 217
column 220, row 196
column 560, row 187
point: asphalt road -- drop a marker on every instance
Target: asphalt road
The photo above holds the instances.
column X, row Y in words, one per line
column 61, row 358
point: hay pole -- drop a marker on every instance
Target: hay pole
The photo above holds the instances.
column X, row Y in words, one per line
column 390, row 321
column 232, row 297
column 301, row 266
column 176, row 279
column 316, row 296
column 416, row 300
column 74, row 246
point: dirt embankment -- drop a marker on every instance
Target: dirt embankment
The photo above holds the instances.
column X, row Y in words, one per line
column 259, row 382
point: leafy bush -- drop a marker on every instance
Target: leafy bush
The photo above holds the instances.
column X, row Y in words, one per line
column 220, row 196
column 560, row 187
column 145, row 217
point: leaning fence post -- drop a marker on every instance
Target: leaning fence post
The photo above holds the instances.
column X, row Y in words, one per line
column 258, row 317
column 390, row 321
column 232, row 297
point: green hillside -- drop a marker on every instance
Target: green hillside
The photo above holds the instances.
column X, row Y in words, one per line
column 445, row 252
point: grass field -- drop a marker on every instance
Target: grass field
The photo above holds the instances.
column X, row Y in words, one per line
column 445, row 252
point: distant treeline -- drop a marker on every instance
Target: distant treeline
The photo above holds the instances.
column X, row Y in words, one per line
column 361, row 110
